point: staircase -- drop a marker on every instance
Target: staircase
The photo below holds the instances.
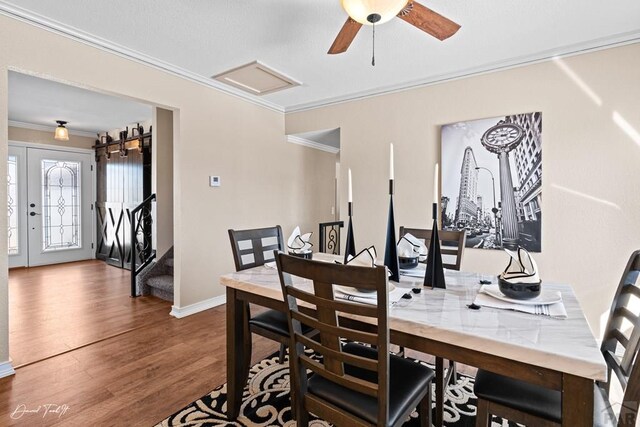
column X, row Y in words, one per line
column 157, row 278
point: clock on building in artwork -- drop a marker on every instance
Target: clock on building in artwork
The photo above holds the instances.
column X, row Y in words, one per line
column 502, row 137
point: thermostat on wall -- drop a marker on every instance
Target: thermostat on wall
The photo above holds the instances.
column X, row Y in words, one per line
column 214, row 181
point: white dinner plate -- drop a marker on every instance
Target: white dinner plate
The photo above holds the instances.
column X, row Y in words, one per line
column 356, row 293
column 546, row 297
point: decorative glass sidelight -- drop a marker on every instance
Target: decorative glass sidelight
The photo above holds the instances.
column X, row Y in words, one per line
column 12, row 205
column 61, row 216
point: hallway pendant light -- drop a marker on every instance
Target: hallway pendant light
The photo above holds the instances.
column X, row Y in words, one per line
column 62, row 133
column 368, row 12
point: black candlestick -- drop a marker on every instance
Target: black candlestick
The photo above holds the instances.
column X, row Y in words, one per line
column 391, row 248
column 350, row 248
column 434, row 276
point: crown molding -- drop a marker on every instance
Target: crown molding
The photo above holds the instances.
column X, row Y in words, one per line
column 549, row 55
column 312, row 144
column 45, row 128
column 78, row 35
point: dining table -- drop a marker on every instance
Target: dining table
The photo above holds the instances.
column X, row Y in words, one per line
column 560, row 354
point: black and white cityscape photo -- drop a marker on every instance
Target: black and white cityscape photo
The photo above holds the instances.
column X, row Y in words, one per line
column 492, row 181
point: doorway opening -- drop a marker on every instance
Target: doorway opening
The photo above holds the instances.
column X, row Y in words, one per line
column 62, row 293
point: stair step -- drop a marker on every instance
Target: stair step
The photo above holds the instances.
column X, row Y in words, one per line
column 168, row 262
column 164, row 282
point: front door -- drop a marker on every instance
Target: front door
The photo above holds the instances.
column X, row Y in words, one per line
column 59, row 197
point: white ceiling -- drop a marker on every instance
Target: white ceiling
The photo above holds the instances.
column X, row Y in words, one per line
column 41, row 102
column 204, row 37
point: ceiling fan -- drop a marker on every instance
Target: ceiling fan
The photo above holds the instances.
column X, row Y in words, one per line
column 375, row 12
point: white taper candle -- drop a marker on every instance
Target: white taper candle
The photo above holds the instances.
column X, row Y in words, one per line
column 390, row 161
column 350, row 191
column 435, row 184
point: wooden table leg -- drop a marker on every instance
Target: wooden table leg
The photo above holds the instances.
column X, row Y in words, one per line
column 238, row 351
column 577, row 401
column 439, row 392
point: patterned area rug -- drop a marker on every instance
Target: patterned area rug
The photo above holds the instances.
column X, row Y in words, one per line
column 266, row 402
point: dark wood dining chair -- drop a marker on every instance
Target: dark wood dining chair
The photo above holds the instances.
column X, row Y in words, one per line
column 451, row 244
column 252, row 248
column 353, row 384
column 329, row 237
column 530, row 404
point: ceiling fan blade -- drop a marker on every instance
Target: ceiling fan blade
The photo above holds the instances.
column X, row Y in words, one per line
column 428, row 21
column 345, row 37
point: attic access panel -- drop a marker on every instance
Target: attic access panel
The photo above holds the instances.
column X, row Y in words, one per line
column 256, row 78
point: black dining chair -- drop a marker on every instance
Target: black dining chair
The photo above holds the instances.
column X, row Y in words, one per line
column 352, row 384
column 253, row 248
column 530, row 404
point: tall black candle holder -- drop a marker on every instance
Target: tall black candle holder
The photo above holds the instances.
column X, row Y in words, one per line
column 434, row 275
column 391, row 247
column 350, row 248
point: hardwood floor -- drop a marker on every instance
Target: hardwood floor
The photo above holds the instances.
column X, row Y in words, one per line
column 133, row 379
column 53, row 309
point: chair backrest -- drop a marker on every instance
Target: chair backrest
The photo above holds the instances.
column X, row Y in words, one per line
column 621, row 341
column 451, row 244
column 324, row 318
column 329, row 235
column 254, row 247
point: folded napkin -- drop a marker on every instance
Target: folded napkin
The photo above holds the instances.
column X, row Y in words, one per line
column 521, row 268
column 394, row 296
column 299, row 243
column 365, row 258
column 410, row 246
column 484, row 298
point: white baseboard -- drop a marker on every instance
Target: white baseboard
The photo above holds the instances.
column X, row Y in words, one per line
column 180, row 312
column 6, row 369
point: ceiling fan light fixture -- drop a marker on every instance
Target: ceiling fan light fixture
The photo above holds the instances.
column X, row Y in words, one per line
column 361, row 10
column 61, row 133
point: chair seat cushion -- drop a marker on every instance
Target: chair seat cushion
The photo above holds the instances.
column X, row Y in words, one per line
column 409, row 381
column 533, row 399
column 274, row 321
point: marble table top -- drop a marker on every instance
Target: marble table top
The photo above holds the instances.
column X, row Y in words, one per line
column 564, row 345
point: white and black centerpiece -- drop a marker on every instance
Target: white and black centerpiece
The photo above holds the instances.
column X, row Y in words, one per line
column 520, row 280
column 300, row 244
column 411, row 251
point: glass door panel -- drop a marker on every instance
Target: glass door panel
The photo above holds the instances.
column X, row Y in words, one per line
column 16, row 212
column 59, row 206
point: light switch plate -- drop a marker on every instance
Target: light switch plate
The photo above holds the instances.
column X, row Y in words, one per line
column 214, row 181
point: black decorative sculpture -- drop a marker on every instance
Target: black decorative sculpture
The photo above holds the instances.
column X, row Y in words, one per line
column 391, row 248
column 434, row 275
column 350, row 248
